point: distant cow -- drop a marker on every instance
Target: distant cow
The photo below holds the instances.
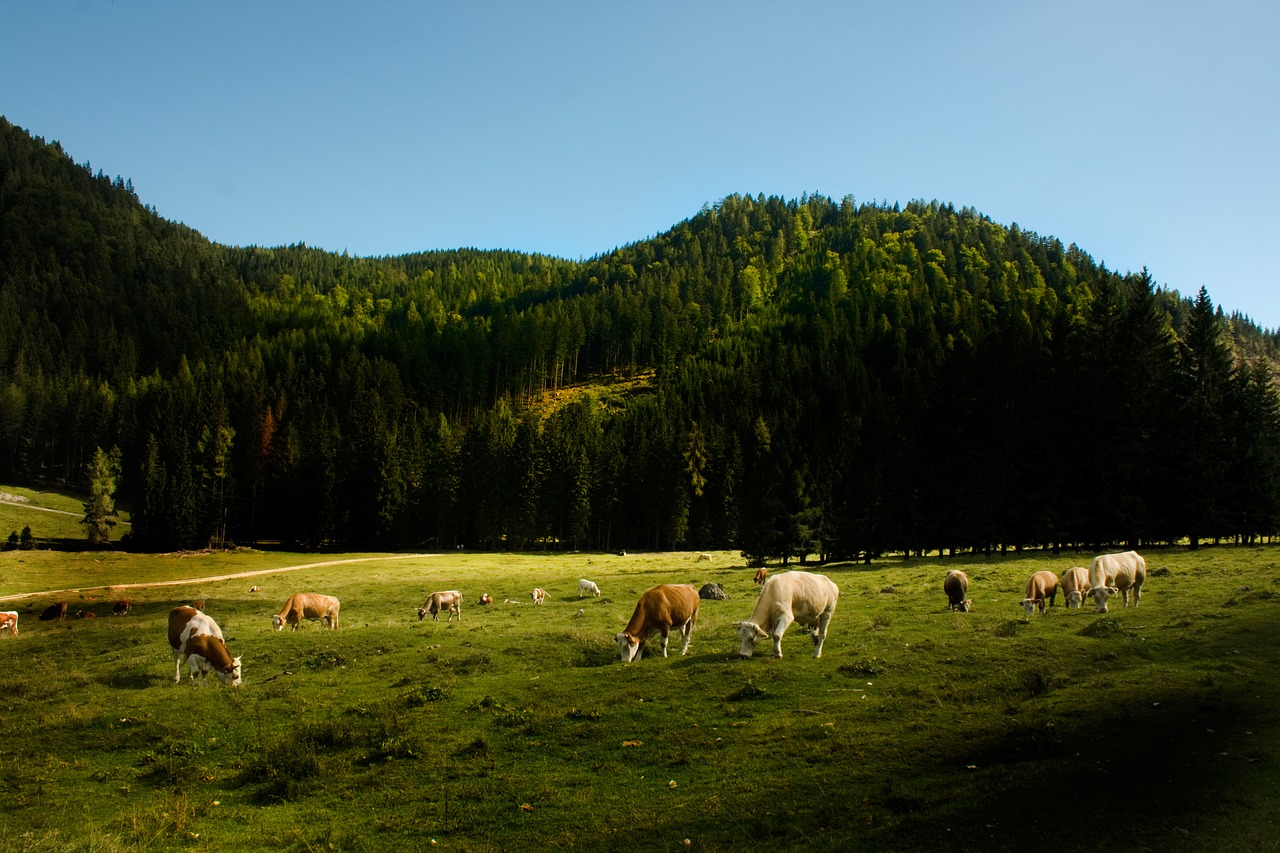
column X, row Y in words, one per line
column 660, row 609
column 956, row 585
column 450, row 600
column 704, row 557
column 586, row 587
column 1074, row 584
column 802, row 597
column 9, row 621
column 197, row 639
column 85, row 614
column 1041, row 587
column 57, row 610
column 761, row 576
column 308, row 605
column 1112, row 573
column 539, row 595
column 122, row 607
column 486, row 598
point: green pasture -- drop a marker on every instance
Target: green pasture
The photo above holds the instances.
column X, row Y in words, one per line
column 518, row 729
column 53, row 515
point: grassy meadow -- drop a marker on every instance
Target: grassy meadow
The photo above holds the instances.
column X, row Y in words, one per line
column 518, row 729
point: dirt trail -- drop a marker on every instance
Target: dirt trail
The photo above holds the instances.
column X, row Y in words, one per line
column 212, row 579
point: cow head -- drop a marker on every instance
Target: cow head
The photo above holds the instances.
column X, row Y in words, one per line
column 963, row 605
column 1028, row 605
column 231, row 674
column 277, row 622
column 1074, row 598
column 422, row 612
column 1100, row 595
column 749, row 633
column 628, row 646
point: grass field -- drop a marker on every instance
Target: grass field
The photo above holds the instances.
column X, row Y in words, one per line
column 518, row 729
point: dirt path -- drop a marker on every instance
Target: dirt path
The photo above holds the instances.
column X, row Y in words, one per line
column 213, row 579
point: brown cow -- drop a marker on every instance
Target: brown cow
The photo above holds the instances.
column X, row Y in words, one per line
column 122, row 607
column 661, row 608
column 450, row 600
column 1041, row 587
column 761, row 576
column 57, row 610
column 307, row 605
column 955, row 585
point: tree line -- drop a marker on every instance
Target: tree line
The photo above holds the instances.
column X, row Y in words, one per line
column 786, row 377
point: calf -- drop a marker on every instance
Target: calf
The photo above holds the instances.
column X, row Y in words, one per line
column 57, row 610
column 660, row 609
column 9, row 621
column 539, row 595
column 955, row 585
column 1041, row 587
column 485, row 599
column 1112, row 573
column 450, row 600
column 586, row 587
column 1075, row 586
column 197, row 639
column 85, row 614
column 308, row 605
column 802, row 597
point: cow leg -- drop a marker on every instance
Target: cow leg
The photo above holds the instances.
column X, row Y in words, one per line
column 177, row 667
column 779, row 629
column 820, row 633
column 665, row 634
column 687, row 630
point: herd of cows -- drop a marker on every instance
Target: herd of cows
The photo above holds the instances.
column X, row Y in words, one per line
column 789, row 597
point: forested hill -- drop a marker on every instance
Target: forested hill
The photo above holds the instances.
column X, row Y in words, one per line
column 784, row 377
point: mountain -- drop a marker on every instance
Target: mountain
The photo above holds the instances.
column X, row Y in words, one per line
column 782, row 376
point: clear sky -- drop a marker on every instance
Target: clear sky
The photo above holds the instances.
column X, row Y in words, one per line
column 1147, row 133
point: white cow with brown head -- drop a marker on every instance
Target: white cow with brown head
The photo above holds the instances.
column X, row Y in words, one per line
column 661, row 608
column 802, row 597
column 197, row 639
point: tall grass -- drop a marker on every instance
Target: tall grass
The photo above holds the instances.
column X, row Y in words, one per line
column 517, row 728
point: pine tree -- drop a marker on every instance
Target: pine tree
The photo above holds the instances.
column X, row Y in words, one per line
column 100, row 509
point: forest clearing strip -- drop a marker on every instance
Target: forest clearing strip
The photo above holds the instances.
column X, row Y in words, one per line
column 211, row 579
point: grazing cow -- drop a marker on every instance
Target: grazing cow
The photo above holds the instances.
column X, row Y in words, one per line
column 661, row 608
column 539, row 595
column 254, row 588
column 761, row 576
column 1112, row 573
column 802, row 597
column 9, row 621
column 485, row 599
column 307, row 605
column 122, row 607
column 1075, row 585
column 586, row 587
column 704, row 557
column 197, row 639
column 57, row 610
column 955, row 585
column 1041, row 587
column 450, row 600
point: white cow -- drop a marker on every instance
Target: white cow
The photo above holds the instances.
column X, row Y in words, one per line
column 195, row 637
column 1075, row 584
column 661, row 608
column 1112, row 573
column 586, row 587
column 307, row 605
column 809, row 599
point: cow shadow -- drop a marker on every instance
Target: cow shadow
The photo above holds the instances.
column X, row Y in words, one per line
column 134, row 680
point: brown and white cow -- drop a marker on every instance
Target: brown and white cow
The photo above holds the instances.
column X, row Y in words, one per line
column 1041, row 587
column 802, row 597
column 539, row 595
column 197, row 639
column 57, row 610
column 955, row 585
column 1112, row 573
column 485, row 598
column 450, row 600
column 312, row 606
column 661, row 608
column 9, row 621
column 121, row 607
column 1075, row 585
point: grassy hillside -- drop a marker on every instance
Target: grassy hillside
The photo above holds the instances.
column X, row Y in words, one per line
column 517, row 728
column 54, row 516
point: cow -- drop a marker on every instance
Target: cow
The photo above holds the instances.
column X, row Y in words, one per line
column 450, row 600
column 57, row 610
column 486, row 598
column 704, row 558
column 121, row 607
column 802, row 597
column 761, row 576
column 586, row 587
column 197, row 639
column 661, row 608
column 1041, row 586
column 9, row 621
column 955, row 585
column 539, row 595
column 198, row 604
column 307, row 605
column 1075, row 585
column 1112, row 573
column 86, row 614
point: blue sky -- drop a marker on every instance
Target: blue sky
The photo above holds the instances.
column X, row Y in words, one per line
column 1148, row 133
